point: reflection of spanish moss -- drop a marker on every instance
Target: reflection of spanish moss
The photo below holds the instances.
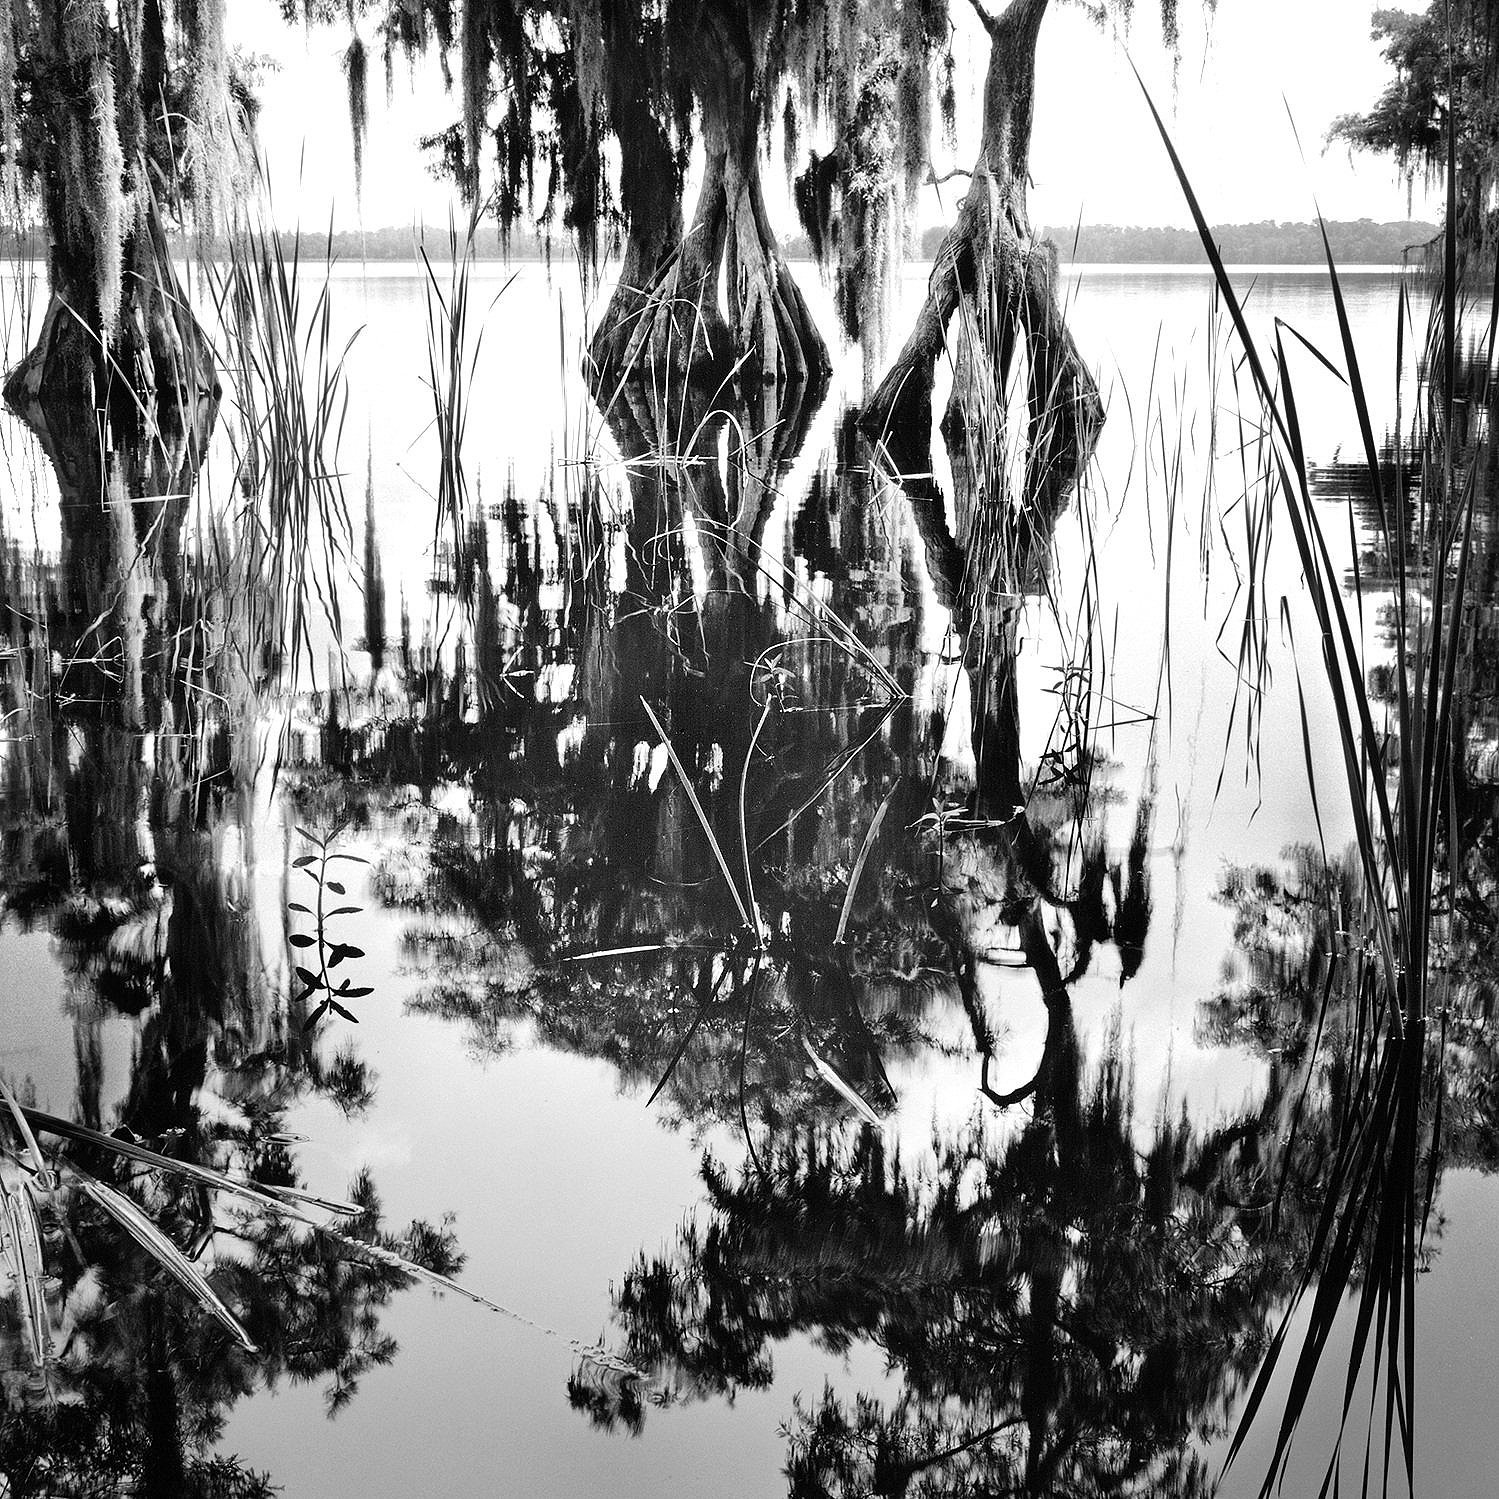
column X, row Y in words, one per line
column 581, row 840
column 374, row 578
column 1062, row 1314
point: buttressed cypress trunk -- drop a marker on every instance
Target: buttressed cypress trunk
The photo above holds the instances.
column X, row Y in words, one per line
column 651, row 195
column 119, row 344
column 761, row 328
column 150, row 378
column 999, row 282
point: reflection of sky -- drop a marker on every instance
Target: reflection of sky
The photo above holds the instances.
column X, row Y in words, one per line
column 1456, row 1367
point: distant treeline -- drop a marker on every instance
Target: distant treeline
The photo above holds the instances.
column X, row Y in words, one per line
column 1354, row 242
column 394, row 242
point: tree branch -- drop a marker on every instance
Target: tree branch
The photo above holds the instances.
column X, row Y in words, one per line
column 985, row 15
column 963, row 1446
column 1005, row 1100
column 1009, row 16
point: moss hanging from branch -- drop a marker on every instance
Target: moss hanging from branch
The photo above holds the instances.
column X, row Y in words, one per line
column 813, row 191
column 1443, row 62
column 867, row 71
column 871, row 197
column 9, row 134
column 93, row 209
column 356, row 66
column 476, row 52
column 208, row 93
column 113, row 115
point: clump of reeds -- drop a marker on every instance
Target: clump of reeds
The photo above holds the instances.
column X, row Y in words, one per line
column 1396, row 762
column 287, row 400
column 453, row 345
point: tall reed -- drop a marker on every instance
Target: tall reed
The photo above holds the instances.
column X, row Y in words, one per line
column 287, row 401
column 453, row 346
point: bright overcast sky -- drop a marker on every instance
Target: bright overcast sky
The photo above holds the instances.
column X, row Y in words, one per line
column 1095, row 151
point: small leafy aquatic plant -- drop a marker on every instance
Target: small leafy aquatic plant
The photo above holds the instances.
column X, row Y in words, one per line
column 318, row 944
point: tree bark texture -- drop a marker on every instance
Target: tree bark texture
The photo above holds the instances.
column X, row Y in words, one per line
column 1000, row 283
column 651, row 196
column 147, row 397
column 757, row 329
column 125, row 427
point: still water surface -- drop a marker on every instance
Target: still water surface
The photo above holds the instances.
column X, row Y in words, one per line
column 1060, row 1287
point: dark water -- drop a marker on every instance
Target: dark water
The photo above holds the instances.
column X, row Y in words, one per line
column 889, row 1088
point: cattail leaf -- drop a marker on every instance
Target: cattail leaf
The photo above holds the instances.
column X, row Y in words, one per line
column 702, row 816
column 33, row 1150
column 858, row 870
column 67, row 1129
column 21, row 1244
column 621, row 952
column 166, row 1254
column 311, row 1199
column 842, row 1086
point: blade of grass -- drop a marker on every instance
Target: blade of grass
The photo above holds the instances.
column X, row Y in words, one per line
column 165, row 1253
column 841, row 1085
column 22, row 1244
column 857, row 872
column 702, row 817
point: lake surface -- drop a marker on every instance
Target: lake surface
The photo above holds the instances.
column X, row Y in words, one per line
column 923, row 1140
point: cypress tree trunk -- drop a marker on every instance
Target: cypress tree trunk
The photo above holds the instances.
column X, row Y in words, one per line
column 651, row 195
column 125, row 421
column 762, row 331
column 118, row 338
column 163, row 1473
column 991, row 270
column 152, row 381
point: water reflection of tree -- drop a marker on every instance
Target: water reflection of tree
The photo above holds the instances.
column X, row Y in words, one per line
column 1464, row 932
column 131, row 834
column 1085, row 1310
column 1065, row 1311
column 577, row 837
column 589, row 849
column 1062, row 1314
column 1071, row 1301
column 143, row 1385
